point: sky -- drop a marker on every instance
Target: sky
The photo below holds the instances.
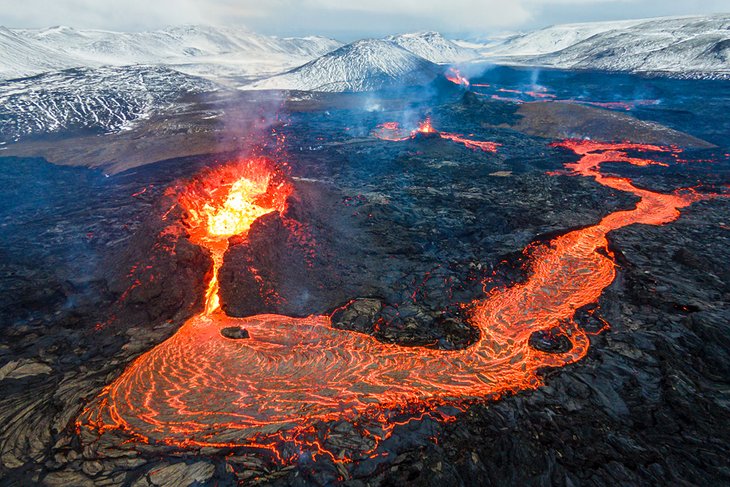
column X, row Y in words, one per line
column 345, row 20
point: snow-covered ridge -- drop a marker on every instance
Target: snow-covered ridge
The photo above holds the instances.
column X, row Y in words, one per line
column 689, row 46
column 100, row 100
column 373, row 64
column 172, row 44
column 551, row 39
column 433, row 47
column 189, row 48
column 365, row 65
column 22, row 57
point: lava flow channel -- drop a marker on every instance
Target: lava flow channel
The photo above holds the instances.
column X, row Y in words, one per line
column 393, row 132
column 199, row 388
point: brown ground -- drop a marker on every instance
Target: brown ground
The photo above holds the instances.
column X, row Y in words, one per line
column 558, row 120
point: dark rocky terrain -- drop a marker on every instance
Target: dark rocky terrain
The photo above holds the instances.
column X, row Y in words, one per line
column 407, row 228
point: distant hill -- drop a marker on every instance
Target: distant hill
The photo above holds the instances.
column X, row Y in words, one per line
column 97, row 100
column 433, row 47
column 195, row 49
column 364, row 65
column 682, row 46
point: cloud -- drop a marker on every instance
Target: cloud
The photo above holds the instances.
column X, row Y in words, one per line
column 343, row 18
column 376, row 16
column 116, row 15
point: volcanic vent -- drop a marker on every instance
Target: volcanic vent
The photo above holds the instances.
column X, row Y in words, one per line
column 225, row 202
column 394, row 132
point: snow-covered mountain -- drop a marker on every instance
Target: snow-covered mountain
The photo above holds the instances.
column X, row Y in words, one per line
column 173, row 44
column 691, row 46
column 551, row 39
column 195, row 49
column 433, row 47
column 22, row 57
column 365, row 65
column 101, row 100
column 63, row 80
column 104, row 81
column 687, row 46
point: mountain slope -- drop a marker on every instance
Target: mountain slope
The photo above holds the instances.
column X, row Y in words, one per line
column 100, row 100
column 173, row 44
column 433, row 47
column 686, row 46
column 364, row 65
column 198, row 49
column 20, row 57
column 553, row 38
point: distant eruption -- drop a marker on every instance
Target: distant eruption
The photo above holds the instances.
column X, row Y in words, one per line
column 393, row 132
column 455, row 76
column 273, row 389
column 537, row 94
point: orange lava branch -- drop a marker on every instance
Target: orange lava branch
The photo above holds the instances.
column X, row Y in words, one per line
column 199, row 388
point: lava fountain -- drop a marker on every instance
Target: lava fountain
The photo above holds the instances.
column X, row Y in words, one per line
column 455, row 76
column 289, row 375
column 225, row 202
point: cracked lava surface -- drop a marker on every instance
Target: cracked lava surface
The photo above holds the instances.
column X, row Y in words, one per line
column 199, row 388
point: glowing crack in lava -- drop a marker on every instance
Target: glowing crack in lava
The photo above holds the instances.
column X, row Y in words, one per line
column 273, row 388
column 393, row 132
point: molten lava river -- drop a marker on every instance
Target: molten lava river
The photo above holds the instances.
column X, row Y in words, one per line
column 289, row 375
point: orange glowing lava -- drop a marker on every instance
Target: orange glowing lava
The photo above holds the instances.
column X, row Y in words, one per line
column 393, row 132
column 201, row 389
column 469, row 143
column 426, row 127
column 455, row 76
column 225, row 202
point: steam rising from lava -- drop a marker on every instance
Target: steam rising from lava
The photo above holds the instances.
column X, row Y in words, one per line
column 271, row 389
